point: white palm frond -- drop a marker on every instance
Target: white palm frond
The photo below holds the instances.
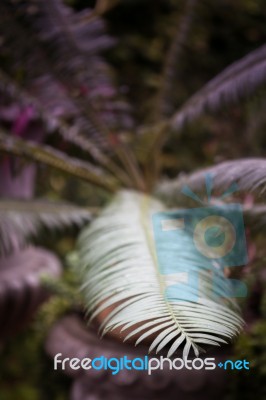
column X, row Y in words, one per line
column 119, row 269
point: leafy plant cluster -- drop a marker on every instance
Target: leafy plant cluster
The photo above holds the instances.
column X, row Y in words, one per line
column 62, row 106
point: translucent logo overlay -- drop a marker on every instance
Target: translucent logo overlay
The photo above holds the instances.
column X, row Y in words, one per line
column 196, row 246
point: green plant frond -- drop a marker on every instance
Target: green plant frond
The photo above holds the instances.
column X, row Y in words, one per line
column 119, row 269
column 57, row 159
column 21, row 219
column 249, row 174
column 235, row 82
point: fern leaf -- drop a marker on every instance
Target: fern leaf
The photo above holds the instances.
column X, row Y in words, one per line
column 236, row 81
column 119, row 269
column 21, row 219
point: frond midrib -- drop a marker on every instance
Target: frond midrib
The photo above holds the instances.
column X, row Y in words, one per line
column 144, row 207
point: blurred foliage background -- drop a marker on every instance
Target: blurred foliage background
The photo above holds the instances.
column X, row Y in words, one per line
column 224, row 31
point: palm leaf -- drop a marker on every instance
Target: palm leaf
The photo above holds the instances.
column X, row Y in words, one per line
column 236, row 81
column 173, row 59
column 68, row 38
column 47, row 33
column 77, row 134
column 57, row 159
column 119, row 269
column 80, row 37
column 248, row 174
column 51, row 83
column 21, row 219
column 56, row 32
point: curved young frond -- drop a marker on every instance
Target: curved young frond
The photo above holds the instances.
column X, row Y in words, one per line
column 119, row 269
column 21, row 219
column 237, row 81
